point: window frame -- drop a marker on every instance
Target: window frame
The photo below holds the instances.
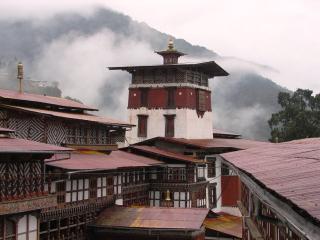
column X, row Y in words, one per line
column 142, row 129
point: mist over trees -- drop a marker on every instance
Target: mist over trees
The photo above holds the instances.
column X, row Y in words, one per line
column 299, row 116
column 74, row 51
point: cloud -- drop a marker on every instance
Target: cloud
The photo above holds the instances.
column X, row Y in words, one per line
column 79, row 64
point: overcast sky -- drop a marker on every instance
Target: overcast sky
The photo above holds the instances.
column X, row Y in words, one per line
column 284, row 34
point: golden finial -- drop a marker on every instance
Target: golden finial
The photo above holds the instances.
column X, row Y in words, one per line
column 170, row 44
column 20, row 76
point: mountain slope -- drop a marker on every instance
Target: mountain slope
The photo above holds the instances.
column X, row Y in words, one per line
column 74, row 50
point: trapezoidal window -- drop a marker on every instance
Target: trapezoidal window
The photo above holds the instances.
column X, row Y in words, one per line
column 201, row 100
column 171, row 103
column 169, row 128
column 142, row 125
column 144, row 97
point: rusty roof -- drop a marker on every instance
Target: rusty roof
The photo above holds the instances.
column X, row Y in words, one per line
column 72, row 116
column 153, row 217
column 223, row 134
column 211, row 68
column 211, row 143
column 288, row 170
column 165, row 153
column 17, row 145
column 225, row 223
column 36, row 98
column 98, row 161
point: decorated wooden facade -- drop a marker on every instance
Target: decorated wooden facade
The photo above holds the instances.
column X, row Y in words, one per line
column 174, row 97
column 57, row 121
column 22, row 185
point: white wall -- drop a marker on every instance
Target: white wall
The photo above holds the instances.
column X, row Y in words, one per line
column 217, row 179
column 187, row 123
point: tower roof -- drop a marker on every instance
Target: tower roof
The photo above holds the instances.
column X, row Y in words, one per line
column 211, row 68
column 170, row 50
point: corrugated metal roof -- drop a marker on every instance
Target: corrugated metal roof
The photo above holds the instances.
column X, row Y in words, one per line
column 165, row 153
column 221, row 134
column 55, row 101
column 73, row 116
column 211, row 143
column 114, row 160
column 153, row 217
column 290, row 170
column 16, row 145
column 225, row 223
column 211, row 67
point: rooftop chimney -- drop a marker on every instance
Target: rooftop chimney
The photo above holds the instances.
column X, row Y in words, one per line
column 20, row 76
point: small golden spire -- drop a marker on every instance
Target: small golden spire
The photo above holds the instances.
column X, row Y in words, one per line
column 170, row 45
column 20, row 76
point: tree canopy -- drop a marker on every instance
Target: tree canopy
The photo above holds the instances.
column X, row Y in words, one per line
column 298, row 118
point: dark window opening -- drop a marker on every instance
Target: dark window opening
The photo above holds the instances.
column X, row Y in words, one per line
column 211, row 166
column 144, row 97
column 225, row 170
column 142, row 125
column 169, row 128
column 171, row 103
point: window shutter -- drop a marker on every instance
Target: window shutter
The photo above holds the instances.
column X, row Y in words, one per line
column 142, row 125
column 201, row 101
column 169, row 127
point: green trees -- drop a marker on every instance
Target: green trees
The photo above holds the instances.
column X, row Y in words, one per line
column 299, row 117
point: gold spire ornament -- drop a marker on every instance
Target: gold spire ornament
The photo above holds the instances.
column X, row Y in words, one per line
column 20, row 76
column 170, row 45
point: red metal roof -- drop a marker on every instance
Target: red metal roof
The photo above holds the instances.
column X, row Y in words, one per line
column 74, row 116
column 212, row 143
column 290, row 170
column 165, row 153
column 16, row 145
column 225, row 223
column 114, row 160
column 153, row 217
column 35, row 98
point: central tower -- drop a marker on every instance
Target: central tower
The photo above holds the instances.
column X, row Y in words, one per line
column 172, row 99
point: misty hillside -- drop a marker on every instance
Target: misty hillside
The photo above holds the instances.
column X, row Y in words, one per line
column 74, row 50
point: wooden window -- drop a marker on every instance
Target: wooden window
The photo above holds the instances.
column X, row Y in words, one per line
column 176, row 174
column 10, row 227
column 142, row 125
column 154, row 198
column 169, row 127
column 212, row 196
column 201, row 172
column 211, row 167
column 77, row 190
column 180, row 199
column 144, row 97
column 117, row 185
column 201, row 199
column 225, row 170
column 171, row 93
column 27, row 227
column 201, row 100
column 101, row 187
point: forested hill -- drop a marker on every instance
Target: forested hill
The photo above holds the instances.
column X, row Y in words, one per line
column 73, row 50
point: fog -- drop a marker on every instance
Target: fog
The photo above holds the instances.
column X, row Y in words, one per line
column 74, row 46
